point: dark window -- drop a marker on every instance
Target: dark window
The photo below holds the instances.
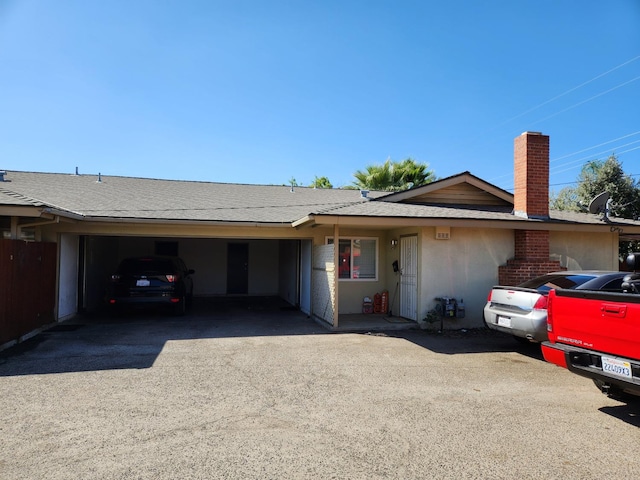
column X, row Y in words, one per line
column 357, row 258
column 170, row 249
column 613, row 285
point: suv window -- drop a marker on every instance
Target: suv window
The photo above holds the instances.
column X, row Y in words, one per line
column 145, row 265
column 613, row 286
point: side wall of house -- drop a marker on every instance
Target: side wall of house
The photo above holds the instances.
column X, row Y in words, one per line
column 585, row 251
column 464, row 267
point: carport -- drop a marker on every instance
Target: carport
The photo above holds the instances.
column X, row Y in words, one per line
column 244, row 267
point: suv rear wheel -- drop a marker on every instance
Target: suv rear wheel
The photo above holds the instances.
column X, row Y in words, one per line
column 180, row 308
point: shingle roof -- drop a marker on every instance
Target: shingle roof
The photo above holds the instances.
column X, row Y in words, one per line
column 143, row 198
column 114, row 197
column 15, row 199
column 383, row 208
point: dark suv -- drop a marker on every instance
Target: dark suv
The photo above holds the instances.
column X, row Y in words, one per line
column 152, row 280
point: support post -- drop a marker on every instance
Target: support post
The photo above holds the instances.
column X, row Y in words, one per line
column 336, row 273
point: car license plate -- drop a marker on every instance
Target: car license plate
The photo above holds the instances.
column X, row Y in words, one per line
column 142, row 283
column 504, row 321
column 616, row 367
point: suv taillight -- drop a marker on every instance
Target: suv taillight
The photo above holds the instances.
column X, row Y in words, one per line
column 115, row 277
column 172, row 278
column 489, row 296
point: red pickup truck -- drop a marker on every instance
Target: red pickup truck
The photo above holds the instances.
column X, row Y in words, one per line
column 597, row 334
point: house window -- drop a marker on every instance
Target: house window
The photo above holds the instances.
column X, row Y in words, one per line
column 358, row 258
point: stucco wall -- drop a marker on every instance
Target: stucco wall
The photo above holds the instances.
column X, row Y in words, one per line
column 68, row 276
column 585, row 251
column 464, row 267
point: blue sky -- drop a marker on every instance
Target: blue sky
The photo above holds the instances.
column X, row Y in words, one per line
column 262, row 91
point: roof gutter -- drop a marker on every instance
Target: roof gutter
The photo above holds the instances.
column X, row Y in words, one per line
column 185, row 222
column 516, row 223
column 55, row 219
column 63, row 213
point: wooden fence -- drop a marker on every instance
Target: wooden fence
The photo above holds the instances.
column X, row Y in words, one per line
column 27, row 287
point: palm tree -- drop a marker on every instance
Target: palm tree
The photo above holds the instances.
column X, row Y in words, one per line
column 394, row 176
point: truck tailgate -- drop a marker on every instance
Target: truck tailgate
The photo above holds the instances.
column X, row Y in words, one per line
column 602, row 321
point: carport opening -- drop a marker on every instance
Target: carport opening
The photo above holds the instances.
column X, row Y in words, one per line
column 267, row 272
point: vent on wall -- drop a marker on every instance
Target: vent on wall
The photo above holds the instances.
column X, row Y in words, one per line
column 443, row 233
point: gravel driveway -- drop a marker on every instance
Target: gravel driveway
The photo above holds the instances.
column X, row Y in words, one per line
column 272, row 395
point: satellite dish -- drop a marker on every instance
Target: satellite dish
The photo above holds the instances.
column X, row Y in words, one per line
column 599, row 203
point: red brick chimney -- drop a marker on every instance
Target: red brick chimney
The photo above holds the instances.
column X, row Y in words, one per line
column 531, row 200
column 531, row 175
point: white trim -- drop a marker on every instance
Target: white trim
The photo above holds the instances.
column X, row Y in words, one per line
column 352, row 238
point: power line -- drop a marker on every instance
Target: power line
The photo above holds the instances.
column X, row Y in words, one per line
column 571, row 90
column 596, row 146
column 574, row 182
column 574, row 106
column 604, row 152
column 586, row 158
column 587, row 100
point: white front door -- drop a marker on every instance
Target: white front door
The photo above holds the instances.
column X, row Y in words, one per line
column 409, row 277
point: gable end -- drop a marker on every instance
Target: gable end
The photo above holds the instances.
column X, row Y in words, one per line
column 458, row 194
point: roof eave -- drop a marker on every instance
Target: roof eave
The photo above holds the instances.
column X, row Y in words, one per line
column 218, row 223
column 513, row 223
column 20, row 211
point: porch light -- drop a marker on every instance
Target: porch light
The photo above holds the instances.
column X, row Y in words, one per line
column 394, row 242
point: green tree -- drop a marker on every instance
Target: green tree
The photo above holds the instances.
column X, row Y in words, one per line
column 565, row 199
column 599, row 176
column 321, row 182
column 394, row 176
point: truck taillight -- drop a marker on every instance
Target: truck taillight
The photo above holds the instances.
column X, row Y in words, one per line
column 489, row 296
column 549, row 314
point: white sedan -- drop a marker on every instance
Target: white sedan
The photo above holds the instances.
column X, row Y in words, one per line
column 522, row 310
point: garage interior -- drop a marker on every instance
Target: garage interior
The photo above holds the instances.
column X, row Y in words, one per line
column 224, row 267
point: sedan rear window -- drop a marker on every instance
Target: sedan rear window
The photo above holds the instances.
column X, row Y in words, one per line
column 549, row 282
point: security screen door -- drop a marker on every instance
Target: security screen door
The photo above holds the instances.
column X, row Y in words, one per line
column 409, row 277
